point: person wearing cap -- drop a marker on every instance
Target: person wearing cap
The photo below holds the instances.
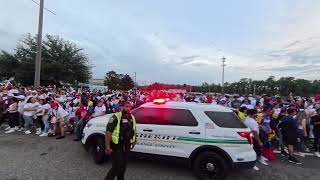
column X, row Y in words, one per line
column 120, row 138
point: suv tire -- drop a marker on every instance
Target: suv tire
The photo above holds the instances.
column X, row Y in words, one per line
column 209, row 166
column 98, row 151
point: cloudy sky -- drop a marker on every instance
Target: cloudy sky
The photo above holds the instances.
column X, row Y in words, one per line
column 179, row 41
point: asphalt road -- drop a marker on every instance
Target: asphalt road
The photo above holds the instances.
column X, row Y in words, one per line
column 31, row 157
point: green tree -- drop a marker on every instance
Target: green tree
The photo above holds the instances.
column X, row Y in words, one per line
column 112, row 80
column 8, row 66
column 126, row 83
column 63, row 62
column 286, row 85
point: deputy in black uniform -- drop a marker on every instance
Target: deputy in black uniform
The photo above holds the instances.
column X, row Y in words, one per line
column 120, row 138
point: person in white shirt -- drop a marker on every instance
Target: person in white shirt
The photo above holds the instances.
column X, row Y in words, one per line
column 99, row 110
column 246, row 103
column 39, row 115
column 46, row 110
column 62, row 117
column 253, row 101
column 29, row 110
column 21, row 104
column 254, row 127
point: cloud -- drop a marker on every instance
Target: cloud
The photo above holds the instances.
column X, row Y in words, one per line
column 137, row 37
column 197, row 63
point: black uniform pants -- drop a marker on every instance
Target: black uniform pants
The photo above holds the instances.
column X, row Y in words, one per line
column 119, row 160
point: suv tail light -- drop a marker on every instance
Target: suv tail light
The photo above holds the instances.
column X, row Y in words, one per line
column 247, row 135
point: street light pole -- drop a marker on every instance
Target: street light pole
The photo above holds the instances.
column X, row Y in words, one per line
column 39, row 45
column 223, row 65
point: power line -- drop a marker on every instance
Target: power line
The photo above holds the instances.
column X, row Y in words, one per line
column 44, row 7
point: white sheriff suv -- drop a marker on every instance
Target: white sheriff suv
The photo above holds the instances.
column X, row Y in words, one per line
column 210, row 137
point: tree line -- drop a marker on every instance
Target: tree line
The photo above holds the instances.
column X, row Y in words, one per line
column 116, row 81
column 63, row 62
column 272, row 86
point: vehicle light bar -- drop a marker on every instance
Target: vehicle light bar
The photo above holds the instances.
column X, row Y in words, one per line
column 159, row 101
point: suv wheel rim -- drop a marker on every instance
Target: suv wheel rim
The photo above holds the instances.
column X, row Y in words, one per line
column 209, row 168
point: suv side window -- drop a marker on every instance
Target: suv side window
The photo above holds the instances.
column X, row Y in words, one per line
column 164, row 116
column 179, row 117
column 148, row 115
column 225, row 119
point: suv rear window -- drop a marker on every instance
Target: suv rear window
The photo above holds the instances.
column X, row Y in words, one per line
column 225, row 119
column 164, row 116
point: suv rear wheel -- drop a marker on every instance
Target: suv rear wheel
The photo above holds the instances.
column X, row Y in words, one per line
column 98, row 151
column 209, row 166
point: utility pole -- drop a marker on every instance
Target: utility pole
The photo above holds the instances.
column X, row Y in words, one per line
column 223, row 65
column 39, row 45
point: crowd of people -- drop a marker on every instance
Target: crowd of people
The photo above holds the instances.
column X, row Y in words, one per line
column 54, row 111
column 290, row 124
column 285, row 123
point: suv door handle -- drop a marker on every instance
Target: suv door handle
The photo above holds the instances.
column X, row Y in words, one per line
column 147, row 130
column 193, row 132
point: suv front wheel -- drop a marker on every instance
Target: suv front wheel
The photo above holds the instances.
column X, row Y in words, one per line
column 98, row 151
column 209, row 166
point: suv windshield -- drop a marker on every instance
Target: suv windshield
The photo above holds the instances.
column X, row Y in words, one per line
column 225, row 119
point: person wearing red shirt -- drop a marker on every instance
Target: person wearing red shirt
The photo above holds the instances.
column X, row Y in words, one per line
column 209, row 99
column 82, row 115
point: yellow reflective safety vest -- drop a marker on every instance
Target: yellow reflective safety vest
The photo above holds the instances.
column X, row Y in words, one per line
column 116, row 131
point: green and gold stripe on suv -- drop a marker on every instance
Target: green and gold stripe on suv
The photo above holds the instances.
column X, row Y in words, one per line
column 212, row 141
